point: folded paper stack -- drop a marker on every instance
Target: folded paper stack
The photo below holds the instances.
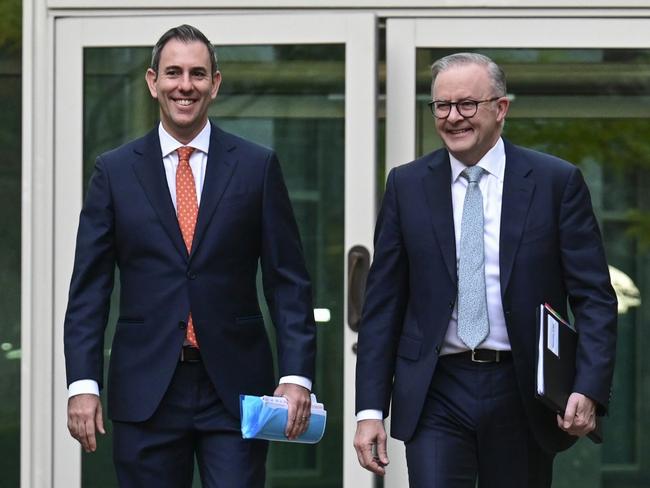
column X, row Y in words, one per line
column 265, row 417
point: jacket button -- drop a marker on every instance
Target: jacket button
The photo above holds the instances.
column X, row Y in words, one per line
column 182, row 325
column 437, row 349
column 451, row 304
column 191, row 275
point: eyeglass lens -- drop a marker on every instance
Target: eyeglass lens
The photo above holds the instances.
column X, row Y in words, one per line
column 466, row 108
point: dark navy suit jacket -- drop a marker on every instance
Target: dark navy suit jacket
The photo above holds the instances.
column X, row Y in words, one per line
column 550, row 250
column 245, row 219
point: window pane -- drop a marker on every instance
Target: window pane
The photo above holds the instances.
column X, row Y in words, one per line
column 10, row 201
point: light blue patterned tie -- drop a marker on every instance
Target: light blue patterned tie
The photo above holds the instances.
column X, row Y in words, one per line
column 473, row 323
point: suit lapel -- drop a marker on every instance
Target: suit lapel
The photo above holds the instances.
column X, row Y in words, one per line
column 518, row 189
column 218, row 172
column 150, row 172
column 437, row 189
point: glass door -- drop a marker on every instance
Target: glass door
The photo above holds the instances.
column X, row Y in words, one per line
column 582, row 94
column 302, row 84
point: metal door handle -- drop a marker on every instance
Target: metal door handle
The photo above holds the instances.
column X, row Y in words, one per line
column 358, row 266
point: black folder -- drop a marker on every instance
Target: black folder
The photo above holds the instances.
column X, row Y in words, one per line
column 556, row 363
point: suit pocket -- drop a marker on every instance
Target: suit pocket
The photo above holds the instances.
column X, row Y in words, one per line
column 249, row 319
column 409, row 348
column 236, row 200
column 537, row 233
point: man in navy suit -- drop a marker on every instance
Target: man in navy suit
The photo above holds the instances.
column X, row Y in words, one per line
column 464, row 404
column 190, row 337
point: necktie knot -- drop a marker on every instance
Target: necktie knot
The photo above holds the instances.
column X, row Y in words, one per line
column 184, row 153
column 473, row 173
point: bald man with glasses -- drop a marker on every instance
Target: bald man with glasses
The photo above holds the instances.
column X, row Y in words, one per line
column 470, row 240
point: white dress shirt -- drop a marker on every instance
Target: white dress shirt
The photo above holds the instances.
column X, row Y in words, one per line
column 198, row 163
column 491, row 185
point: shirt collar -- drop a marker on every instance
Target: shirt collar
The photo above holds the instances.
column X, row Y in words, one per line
column 493, row 162
column 168, row 144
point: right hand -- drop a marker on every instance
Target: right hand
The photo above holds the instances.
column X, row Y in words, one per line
column 84, row 419
column 371, row 435
column 299, row 408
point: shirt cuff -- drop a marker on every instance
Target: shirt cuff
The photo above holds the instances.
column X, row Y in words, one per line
column 297, row 380
column 80, row 387
column 370, row 415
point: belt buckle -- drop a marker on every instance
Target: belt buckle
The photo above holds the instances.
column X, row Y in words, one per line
column 476, row 360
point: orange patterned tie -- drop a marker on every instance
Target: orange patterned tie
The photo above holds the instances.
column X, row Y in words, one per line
column 187, row 209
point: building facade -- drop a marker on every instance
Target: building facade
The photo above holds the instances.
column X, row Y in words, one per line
column 339, row 88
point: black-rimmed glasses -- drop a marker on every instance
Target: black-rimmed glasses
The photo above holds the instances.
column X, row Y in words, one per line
column 466, row 108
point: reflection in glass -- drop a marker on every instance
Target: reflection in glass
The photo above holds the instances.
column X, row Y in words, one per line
column 590, row 107
column 290, row 98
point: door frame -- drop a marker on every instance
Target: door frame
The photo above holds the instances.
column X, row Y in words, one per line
column 71, row 35
column 42, row 389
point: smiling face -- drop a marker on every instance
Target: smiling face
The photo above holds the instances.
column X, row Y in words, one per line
column 468, row 140
column 184, row 87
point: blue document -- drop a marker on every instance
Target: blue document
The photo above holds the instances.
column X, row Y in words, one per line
column 265, row 417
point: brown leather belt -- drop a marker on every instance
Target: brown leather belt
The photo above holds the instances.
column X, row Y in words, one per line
column 190, row 354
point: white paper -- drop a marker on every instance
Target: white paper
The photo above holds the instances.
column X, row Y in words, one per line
column 281, row 402
column 540, row 354
column 553, row 337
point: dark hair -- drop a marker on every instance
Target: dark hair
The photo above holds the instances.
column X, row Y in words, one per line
column 184, row 33
column 497, row 75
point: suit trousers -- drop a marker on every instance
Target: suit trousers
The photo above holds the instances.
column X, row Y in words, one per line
column 190, row 421
column 473, row 426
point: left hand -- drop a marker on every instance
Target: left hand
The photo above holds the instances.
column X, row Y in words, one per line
column 299, row 401
column 580, row 415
